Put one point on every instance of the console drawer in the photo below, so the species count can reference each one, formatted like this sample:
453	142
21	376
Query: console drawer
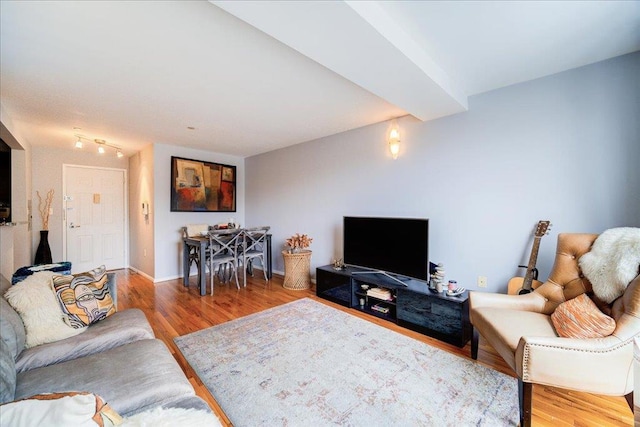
434	315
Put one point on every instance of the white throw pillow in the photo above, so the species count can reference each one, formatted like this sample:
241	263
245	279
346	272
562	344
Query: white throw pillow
612	262
34	300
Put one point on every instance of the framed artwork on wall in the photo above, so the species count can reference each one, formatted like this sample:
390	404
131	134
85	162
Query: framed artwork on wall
199	186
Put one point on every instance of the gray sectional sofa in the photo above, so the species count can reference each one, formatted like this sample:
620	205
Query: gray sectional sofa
117	358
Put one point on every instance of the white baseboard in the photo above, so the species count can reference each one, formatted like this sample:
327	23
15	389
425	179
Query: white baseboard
142	273
165	279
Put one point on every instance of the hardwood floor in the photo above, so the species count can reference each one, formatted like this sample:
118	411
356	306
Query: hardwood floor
174	310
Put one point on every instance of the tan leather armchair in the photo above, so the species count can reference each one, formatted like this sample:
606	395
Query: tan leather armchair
520	329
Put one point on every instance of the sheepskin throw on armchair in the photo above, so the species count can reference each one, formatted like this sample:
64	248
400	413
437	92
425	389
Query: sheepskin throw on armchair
613	262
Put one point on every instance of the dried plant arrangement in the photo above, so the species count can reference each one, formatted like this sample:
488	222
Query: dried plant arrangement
44	207
298	241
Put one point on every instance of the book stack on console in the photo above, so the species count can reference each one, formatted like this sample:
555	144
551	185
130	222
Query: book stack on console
380	293
381	308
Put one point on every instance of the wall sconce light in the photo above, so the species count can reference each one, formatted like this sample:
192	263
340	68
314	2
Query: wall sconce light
101	143
394	140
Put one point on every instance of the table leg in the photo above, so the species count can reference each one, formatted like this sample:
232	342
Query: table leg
185	263
269	268
202	268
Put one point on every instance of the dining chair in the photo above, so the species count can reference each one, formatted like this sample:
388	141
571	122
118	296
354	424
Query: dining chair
192	230
253	243
223	252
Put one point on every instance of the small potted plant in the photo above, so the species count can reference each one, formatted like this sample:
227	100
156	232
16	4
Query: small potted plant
298	242
297	262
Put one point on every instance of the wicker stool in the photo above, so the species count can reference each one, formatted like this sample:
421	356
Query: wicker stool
296	270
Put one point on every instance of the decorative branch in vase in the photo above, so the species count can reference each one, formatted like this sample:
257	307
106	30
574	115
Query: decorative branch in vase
298	242
44	207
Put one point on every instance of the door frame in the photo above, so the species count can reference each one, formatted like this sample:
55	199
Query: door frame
125	208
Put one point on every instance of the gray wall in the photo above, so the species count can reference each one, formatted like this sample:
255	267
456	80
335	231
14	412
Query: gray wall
141	189
167	242
563	148
47	163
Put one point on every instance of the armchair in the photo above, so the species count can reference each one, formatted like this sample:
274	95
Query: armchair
520	329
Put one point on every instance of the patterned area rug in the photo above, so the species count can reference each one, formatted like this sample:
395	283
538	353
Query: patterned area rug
307	364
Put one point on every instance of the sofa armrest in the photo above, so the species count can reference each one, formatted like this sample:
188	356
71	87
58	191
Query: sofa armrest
597	365
528	302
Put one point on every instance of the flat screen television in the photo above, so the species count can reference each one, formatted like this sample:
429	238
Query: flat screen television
393	245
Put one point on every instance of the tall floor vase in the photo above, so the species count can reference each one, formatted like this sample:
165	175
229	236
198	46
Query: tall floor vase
43	253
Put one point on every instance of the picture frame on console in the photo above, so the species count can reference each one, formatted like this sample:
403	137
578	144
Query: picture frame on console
201	186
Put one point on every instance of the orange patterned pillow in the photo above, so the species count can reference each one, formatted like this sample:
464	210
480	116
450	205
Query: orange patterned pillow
581	318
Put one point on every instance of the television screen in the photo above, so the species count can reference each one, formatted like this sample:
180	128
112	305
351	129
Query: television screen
393	245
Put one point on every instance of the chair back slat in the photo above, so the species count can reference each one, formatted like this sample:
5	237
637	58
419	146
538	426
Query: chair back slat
253	244
224	243
223	251
255	238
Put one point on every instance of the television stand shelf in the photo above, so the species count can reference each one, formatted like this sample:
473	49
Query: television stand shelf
413	306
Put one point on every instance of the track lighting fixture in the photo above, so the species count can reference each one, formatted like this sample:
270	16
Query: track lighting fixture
101	143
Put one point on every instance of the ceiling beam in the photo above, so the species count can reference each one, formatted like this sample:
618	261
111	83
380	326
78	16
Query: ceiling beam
360	42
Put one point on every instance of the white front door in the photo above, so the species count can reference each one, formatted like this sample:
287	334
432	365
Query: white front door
94	217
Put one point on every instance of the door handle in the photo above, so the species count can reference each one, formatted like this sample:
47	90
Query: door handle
71	225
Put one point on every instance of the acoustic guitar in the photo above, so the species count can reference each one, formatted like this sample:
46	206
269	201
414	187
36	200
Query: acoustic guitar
524	285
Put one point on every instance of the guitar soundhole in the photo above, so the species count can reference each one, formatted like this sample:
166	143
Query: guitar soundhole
524	291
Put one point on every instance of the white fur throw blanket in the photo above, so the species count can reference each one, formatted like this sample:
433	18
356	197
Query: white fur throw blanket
613	262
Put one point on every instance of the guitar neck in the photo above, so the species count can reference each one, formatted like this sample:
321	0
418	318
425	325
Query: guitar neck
528	277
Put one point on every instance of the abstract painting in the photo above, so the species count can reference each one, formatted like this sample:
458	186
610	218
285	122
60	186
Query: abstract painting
199	186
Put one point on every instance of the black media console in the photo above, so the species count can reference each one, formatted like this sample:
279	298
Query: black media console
414	306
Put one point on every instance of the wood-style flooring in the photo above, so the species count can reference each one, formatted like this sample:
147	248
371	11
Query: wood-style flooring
174	310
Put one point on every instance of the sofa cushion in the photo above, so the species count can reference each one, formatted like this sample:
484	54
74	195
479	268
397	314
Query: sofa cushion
581	318
122	328
189	402
132	377
60	409
171	417
11	328
503	328
36	303
84	297
7	373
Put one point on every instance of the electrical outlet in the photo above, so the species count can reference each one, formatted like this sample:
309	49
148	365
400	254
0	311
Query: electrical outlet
482	281
144	252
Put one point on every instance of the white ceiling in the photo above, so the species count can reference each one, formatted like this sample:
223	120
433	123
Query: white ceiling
256	76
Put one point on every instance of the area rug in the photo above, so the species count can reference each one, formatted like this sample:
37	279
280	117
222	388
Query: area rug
307	364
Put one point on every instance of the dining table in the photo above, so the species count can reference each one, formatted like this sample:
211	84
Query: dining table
201	245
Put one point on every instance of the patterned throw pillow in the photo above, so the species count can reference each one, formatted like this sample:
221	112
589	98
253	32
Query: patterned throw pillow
84	297
581	318
60	409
